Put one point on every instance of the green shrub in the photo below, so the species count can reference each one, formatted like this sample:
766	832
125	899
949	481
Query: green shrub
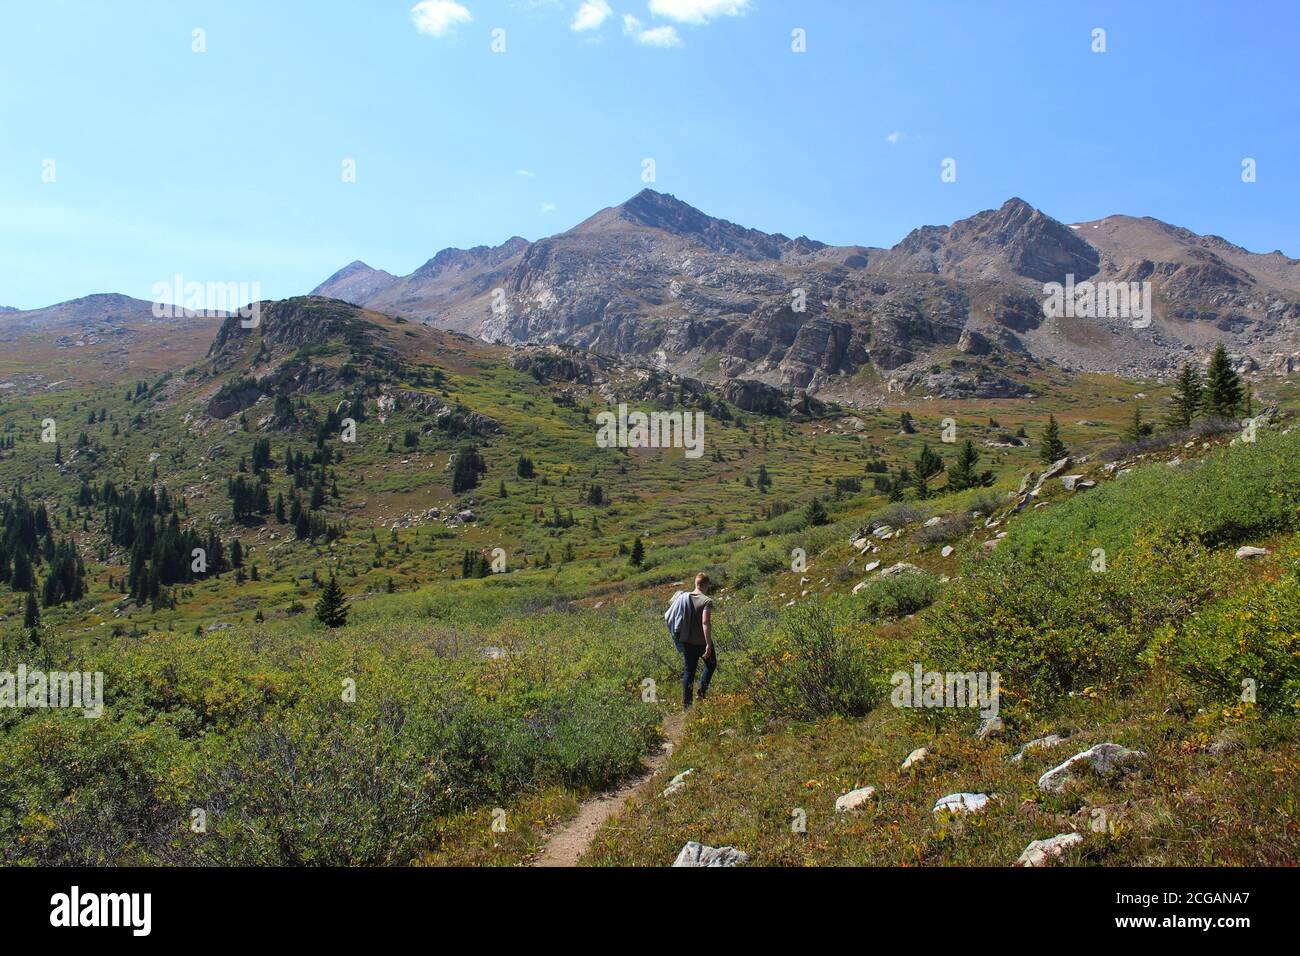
85	792
895	596
818	662
1052	626
1254	635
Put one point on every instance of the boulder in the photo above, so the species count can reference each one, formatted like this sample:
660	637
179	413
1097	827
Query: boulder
697	854
902	567
1104	759
854	799
871	566
1041	743
989	727
1040	852
947	550
678	782
1248	553
1055	469
962	803
915	758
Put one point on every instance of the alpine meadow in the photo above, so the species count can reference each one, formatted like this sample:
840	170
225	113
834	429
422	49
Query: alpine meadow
658	539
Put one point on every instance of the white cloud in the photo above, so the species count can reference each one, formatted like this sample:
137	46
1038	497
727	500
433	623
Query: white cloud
437	18
894	138
547	207
526	173
698	12
656	36
591	15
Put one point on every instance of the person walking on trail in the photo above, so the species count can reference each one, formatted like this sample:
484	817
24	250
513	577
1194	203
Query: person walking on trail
696	644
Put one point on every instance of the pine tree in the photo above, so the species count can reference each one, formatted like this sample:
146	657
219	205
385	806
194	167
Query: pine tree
1223	389
928	464
1053	448
638	554
963	475
815	513
332	609
1186	401
31	613
1136	429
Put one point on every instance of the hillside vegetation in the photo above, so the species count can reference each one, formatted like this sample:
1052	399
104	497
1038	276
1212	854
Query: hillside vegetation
426	639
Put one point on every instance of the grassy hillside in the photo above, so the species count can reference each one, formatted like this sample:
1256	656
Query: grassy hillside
457	697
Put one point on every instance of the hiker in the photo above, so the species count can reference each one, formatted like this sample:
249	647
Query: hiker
696	642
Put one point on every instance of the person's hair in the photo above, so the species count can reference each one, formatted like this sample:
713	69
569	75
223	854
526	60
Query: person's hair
702	580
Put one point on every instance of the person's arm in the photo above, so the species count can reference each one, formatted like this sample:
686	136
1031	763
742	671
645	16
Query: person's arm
706	622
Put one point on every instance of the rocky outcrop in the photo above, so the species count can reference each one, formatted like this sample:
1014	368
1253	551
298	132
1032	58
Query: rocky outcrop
657	278
697	854
1103	760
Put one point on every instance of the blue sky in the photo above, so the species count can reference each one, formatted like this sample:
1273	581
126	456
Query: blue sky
227	165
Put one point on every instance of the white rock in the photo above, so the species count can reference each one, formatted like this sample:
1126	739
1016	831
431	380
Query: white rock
902	567
914	758
859	586
932	522
1041	743
1247	552
1103	758
884	531
678	782
871	566
1070	481
947	550
853	799
697	854
1040	852
962	803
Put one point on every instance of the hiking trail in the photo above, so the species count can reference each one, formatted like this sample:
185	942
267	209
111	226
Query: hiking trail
566	846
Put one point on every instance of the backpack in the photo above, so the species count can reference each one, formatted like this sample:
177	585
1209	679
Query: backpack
678	616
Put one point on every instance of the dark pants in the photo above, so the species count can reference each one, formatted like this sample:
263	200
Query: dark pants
691	656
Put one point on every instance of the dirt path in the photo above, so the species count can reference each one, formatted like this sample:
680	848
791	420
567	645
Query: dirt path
566	847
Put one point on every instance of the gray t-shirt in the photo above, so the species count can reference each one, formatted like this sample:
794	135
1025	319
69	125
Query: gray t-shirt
698	603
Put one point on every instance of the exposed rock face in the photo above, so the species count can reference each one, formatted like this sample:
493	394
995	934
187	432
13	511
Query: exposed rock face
697	854
657	278
1041	852
1103	759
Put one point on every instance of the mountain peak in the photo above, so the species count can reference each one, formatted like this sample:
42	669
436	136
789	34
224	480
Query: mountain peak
663	211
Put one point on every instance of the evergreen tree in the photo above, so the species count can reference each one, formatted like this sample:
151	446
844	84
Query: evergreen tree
1186	401
928	464
1224	393
1053	448
815	513
1136	428
332	609
963	475
636	559
31	613
469	465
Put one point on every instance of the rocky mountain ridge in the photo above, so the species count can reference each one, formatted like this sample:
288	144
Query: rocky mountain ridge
656	278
